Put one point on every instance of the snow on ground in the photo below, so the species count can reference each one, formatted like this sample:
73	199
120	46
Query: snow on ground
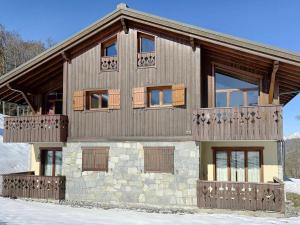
21	212
292	185
13	157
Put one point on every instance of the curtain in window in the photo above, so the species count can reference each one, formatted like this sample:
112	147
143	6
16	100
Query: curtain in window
237	163
58	163
221	166
253	167
48	163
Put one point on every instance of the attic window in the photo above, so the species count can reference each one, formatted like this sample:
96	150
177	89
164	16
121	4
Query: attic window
146	43
109	55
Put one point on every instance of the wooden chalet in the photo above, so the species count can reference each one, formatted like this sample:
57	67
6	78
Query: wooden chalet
139	109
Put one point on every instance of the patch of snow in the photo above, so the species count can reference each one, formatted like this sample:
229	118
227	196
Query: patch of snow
23	213
293	136
292	185
13	157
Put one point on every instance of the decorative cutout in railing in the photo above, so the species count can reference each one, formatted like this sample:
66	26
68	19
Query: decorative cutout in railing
30	186
42	128
244	123
109	63
241	196
146	59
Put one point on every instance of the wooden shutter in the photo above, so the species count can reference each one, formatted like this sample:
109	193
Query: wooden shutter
114	99
95	158
178	95
78	100
139	97
159	159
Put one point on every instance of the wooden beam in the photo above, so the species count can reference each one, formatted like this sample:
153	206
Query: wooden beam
24	96
124	25
66	56
272	83
192	42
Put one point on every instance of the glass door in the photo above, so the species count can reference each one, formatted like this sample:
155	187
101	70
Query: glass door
51	162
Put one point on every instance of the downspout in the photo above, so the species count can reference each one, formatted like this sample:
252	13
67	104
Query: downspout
24	96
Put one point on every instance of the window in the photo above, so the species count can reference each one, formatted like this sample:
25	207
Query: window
238	164
146	43
54	102
232	92
51	162
95	158
109	48
160	96
97	100
159	159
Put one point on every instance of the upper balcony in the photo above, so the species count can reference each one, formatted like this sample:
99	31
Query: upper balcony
243	123
39	128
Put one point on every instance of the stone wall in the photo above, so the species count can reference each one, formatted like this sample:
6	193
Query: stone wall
1	184
126	182
292	158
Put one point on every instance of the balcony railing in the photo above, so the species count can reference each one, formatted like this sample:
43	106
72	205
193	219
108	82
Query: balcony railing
241	196
109	63
36	187
41	128
244	123
146	59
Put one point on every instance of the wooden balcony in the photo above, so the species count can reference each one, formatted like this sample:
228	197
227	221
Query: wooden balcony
36	187
244	123
41	128
109	63
241	196
146	59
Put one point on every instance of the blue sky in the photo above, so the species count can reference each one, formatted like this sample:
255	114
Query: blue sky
272	22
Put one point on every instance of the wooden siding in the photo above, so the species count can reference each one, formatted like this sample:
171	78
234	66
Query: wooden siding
176	63
244	123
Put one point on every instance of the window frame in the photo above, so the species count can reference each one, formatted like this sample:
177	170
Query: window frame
89	93
161	96
104	150
229	91
148	164
107	43
42	160
229	150
146	36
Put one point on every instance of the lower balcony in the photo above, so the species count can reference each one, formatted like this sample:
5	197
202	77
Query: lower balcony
241	195
35	187
243	123
40	128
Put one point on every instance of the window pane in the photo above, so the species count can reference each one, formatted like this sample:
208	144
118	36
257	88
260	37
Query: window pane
221	99
221	166
236	99
95	100
154	97
253	167
252	98
227	82
237	164
167	97
104	100
111	50
48	163
58	163
147	45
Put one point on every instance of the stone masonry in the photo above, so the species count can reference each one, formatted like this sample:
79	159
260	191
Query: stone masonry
292	158
126	182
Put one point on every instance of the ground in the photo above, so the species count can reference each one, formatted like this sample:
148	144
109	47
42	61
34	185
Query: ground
35	213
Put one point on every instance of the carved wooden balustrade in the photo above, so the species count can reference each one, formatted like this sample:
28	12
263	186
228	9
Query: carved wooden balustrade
30	186
146	59
40	128
109	63
244	123
241	196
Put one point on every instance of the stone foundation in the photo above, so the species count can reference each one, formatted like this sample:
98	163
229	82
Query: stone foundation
126	182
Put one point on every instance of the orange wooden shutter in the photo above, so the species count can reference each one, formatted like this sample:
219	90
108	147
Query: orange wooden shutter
78	100
178	95
114	99
139	97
